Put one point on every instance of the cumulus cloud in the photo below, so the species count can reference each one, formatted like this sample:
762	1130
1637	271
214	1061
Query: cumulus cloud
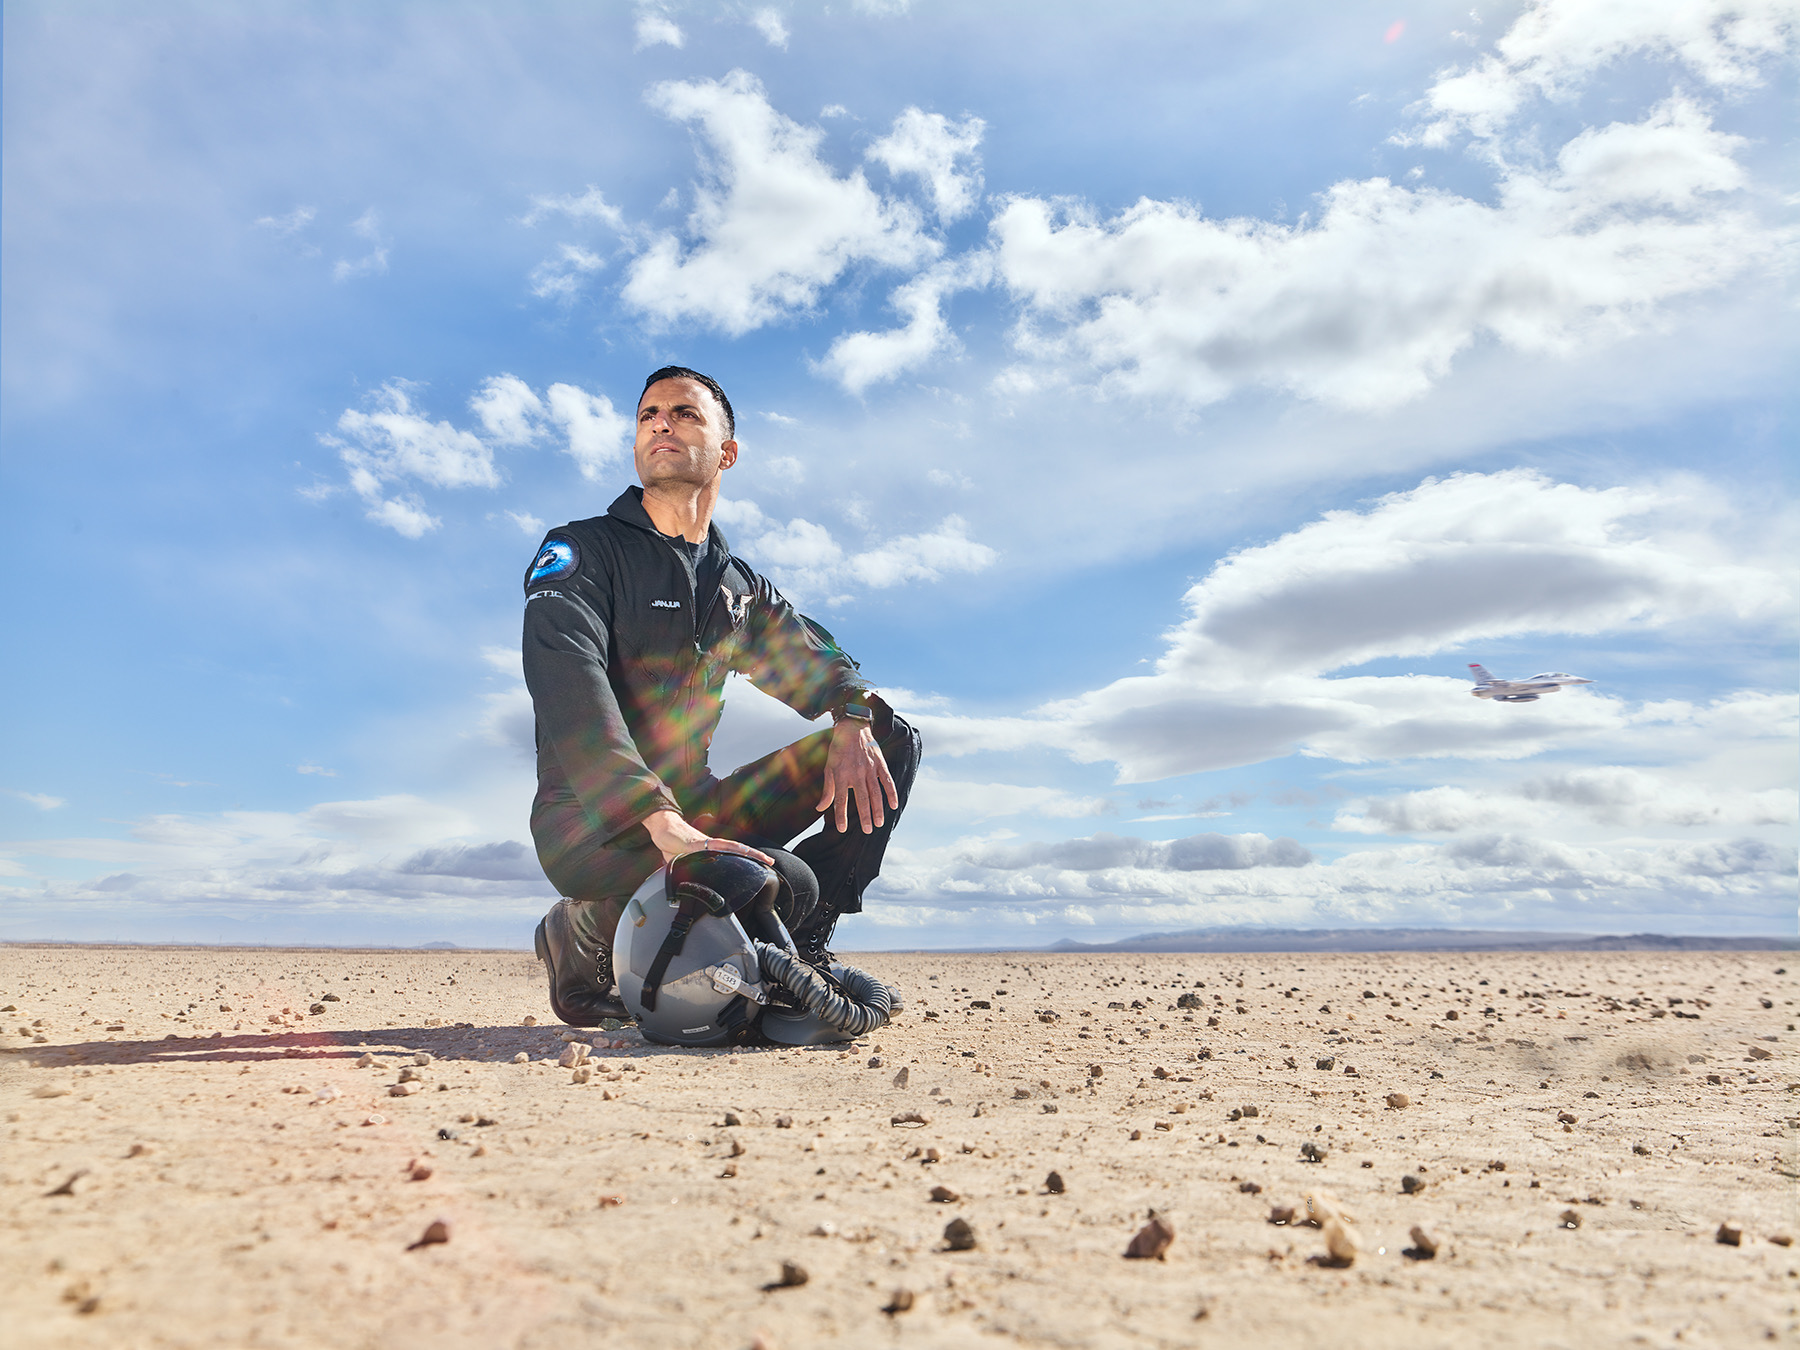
1553	49
383	852
1368	306
771	25
395	444
772	225
940	153
654	30
857	360
597	435
807	561
1474	557
1601	794
1492	880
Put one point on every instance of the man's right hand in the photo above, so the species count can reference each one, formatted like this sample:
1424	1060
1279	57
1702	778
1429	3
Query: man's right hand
674	836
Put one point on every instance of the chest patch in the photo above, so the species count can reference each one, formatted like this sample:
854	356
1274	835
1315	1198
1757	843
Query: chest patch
556	560
665	604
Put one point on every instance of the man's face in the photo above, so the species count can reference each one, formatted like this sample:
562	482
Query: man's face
681	435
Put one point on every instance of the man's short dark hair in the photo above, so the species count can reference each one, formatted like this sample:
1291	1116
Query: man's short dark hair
683	373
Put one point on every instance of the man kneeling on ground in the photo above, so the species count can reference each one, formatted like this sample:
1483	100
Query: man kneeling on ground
632	622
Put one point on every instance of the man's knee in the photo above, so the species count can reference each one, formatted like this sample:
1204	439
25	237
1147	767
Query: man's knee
799	886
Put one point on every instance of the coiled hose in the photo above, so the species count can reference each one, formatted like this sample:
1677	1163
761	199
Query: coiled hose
864	1005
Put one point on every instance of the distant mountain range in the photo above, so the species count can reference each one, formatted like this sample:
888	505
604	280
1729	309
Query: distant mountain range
1256	939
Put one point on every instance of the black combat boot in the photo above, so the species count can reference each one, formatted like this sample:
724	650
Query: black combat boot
579	963
813	938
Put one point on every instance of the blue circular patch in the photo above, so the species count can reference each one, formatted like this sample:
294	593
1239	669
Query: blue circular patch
555	560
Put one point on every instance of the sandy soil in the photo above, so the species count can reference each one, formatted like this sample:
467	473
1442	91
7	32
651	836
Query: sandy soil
194	1158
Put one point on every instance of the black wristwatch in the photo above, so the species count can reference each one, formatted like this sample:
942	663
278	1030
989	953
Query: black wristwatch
852	712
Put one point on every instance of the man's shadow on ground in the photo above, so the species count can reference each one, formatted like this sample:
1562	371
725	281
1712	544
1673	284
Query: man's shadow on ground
465	1042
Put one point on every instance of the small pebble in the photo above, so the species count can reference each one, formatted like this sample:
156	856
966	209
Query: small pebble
530	1021
732	1118
365	1061
316	1009
910	1118
1152	1240
943	1195
436	1231
1411	1185
1054	1183
1398	1101
1281	1215
422	1058
418	1170
900	1078
1341	1241
403	1089
728	1171
793	1275
1250	1188
958	1236
521	1058
1781	1239
901	1300
582	1074
1569	1219
1424	1244
1729	1236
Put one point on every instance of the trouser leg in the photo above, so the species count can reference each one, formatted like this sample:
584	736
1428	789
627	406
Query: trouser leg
775	798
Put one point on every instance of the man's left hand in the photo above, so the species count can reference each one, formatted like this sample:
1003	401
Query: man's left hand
856	765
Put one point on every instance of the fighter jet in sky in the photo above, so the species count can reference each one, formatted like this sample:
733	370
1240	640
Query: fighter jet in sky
1519	691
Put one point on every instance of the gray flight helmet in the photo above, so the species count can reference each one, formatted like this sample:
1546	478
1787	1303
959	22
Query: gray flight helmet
682	952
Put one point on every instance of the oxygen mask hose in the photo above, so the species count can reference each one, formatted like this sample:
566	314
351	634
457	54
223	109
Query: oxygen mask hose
860	1004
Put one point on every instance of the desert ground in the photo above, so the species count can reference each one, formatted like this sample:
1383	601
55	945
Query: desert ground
204	1147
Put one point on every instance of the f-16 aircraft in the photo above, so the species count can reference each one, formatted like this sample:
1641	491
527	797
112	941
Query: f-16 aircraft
1519	691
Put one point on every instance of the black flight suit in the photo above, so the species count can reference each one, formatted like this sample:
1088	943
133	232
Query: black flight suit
627	666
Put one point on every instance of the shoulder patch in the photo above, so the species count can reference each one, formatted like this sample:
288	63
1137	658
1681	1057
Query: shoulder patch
555	560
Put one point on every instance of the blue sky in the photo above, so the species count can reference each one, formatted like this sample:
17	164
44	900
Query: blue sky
1165	403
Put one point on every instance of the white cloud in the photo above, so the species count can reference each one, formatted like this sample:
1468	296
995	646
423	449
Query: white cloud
655	30
291	223
561	277
1494	880
529	525
1603	794
1469	558
590	205
969	802
42	800
597	434
315	769
940	153
1552	49
769	22
509	412
857	360
372	263
386	852
807	562
772	223
395	444
1368	306
882	8
923	557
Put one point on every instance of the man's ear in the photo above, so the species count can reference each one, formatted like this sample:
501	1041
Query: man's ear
728	454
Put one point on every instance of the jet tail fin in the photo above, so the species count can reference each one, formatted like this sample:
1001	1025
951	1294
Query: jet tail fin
1480	673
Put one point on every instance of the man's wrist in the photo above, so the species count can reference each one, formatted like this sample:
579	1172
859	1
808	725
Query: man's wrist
855	708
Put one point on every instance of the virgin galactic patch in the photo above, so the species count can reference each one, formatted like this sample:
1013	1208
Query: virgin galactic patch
555	560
